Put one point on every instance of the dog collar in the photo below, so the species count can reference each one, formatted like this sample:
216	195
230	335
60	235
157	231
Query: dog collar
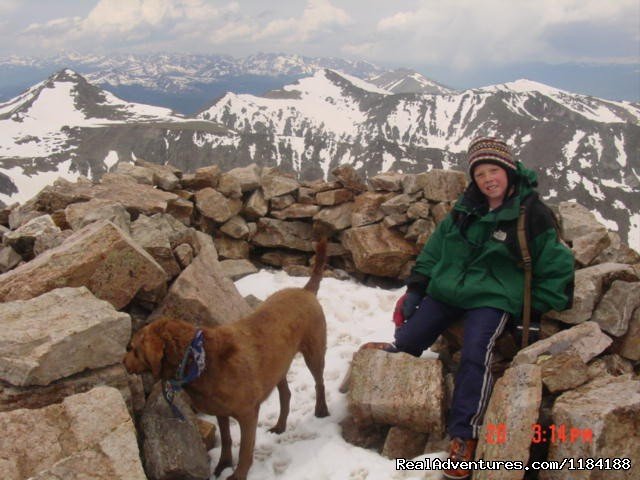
190	369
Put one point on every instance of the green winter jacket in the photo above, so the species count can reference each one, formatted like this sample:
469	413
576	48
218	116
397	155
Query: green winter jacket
473	260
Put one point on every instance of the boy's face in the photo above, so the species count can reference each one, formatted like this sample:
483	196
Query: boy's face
492	181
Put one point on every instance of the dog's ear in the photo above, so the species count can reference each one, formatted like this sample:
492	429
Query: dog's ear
153	349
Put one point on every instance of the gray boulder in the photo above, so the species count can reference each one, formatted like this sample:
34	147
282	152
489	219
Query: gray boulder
90	435
590	285
57	334
616	307
598	420
100	256
513	408
80	214
586	339
397	389
172	448
202	294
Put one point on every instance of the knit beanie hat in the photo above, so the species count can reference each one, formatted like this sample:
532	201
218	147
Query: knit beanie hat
490	150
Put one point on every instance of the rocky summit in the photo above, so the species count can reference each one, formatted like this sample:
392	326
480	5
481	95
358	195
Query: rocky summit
85	264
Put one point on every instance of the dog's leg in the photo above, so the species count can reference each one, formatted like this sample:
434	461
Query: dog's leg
285	399
226	459
248	424
314	358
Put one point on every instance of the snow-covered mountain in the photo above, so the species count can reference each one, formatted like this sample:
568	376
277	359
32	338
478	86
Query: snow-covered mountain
65	126
407	81
583	148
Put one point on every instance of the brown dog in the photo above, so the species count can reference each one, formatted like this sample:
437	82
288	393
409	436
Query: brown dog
245	360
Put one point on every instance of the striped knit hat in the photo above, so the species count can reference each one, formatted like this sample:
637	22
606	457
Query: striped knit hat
490	150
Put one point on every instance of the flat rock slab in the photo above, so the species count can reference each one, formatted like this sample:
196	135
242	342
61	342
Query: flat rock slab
444	185
586	339
129	385
89	435
100	256
57	334
278	233
378	250
135	197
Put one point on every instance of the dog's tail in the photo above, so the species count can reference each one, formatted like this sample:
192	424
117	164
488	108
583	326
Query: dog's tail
321	259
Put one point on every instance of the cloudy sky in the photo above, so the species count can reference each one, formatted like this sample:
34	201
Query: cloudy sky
462	43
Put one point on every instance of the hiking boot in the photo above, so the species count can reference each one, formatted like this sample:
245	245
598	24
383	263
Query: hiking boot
387	347
460	451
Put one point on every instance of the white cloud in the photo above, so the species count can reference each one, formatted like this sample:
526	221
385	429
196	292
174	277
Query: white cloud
133	20
398	20
467	33
186	22
232	31
318	16
7	6
365	49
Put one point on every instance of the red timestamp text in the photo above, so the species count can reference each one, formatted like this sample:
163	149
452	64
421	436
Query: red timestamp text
496	433
560	433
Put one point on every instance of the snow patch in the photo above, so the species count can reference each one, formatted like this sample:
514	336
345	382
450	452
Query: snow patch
571	148
613	184
30	185
596	142
621	158
387	161
363	85
111	159
593	189
610	224
573	179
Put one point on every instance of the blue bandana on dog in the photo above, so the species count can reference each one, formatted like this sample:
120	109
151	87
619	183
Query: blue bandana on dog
193	363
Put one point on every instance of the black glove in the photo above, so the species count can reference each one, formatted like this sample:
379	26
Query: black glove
410	304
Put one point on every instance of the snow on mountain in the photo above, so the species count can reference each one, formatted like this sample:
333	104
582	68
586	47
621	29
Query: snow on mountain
36	123
59	126
583	148
407	81
326	103
592	108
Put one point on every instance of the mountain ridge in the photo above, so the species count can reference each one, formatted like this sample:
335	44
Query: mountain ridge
584	148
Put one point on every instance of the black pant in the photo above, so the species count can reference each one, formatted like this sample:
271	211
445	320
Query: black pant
474	381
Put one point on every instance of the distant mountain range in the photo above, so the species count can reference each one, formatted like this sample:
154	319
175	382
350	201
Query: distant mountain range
583	148
183	83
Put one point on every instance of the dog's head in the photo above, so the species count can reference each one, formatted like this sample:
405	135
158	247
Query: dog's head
145	352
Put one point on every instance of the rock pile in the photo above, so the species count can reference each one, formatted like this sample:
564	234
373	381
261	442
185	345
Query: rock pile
83	265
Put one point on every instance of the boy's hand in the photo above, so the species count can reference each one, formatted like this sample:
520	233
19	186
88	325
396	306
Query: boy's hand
410	304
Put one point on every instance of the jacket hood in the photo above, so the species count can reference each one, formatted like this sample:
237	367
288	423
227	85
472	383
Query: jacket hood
528	179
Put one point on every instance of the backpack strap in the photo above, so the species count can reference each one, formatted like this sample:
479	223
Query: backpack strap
526	260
